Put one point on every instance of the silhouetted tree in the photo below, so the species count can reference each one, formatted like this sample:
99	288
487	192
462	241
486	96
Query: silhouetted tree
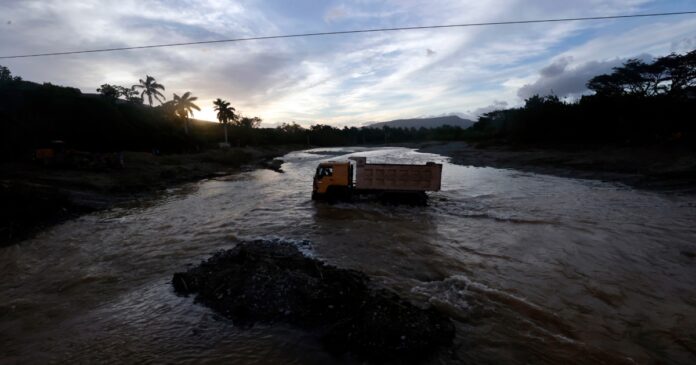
606	85
110	92
169	109
6	75
151	88
672	74
113	92
184	106
225	114
129	94
680	72
640	78
291	127
246	122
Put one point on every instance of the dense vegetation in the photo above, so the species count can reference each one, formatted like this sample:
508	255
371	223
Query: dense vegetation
122	118
33	114
638	104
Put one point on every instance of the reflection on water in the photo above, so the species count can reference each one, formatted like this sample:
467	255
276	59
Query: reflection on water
533	268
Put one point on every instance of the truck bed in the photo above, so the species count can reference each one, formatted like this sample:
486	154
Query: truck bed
398	177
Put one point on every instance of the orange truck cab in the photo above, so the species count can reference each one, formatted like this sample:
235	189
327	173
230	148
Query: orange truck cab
332	178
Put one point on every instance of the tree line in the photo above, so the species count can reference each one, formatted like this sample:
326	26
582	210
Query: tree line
181	107
637	104
141	118
673	75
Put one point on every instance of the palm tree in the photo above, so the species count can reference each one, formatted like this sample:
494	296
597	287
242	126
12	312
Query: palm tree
183	106
150	88
225	113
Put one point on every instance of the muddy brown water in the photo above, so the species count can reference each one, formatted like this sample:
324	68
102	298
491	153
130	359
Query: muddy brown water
533	268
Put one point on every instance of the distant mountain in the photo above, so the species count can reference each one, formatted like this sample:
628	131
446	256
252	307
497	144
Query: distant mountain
433	122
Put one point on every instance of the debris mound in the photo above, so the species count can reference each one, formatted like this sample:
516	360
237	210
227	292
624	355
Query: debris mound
270	281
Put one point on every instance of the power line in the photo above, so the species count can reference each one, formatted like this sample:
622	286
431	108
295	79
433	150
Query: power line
557	20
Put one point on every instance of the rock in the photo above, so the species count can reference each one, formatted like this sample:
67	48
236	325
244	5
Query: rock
275	165
268	282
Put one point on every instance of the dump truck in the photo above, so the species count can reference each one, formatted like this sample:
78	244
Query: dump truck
346	180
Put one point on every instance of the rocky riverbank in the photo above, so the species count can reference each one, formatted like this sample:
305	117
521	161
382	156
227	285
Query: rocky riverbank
644	168
35	196
272	281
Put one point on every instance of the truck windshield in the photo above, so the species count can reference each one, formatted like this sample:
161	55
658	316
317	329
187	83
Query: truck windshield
324	171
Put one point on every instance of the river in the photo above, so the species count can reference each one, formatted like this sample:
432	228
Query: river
532	268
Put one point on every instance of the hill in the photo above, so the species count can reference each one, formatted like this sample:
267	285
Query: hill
451	120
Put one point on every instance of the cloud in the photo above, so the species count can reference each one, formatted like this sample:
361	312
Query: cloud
563	81
556	68
335	13
341	80
683	45
497	105
656	37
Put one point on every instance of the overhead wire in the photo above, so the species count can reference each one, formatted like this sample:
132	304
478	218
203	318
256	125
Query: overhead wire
355	31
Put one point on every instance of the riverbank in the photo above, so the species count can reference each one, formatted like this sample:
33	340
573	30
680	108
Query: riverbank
35	197
643	168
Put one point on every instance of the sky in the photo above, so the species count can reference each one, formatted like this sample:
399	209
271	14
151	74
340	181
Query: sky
342	80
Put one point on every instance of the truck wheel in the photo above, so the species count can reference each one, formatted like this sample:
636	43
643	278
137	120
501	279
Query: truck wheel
330	195
338	193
